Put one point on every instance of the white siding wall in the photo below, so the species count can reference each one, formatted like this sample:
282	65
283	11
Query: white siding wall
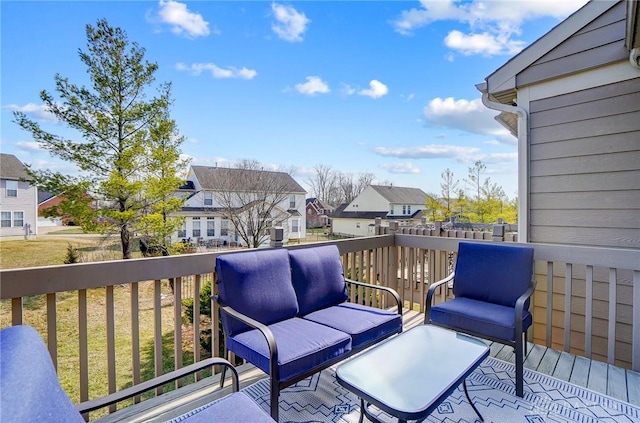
368	200
26	202
355	227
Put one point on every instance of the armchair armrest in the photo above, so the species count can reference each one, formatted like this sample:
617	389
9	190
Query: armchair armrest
520	307
430	293
264	330
381	288
87	406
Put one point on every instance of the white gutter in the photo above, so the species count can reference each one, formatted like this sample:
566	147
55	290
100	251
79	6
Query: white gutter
523	158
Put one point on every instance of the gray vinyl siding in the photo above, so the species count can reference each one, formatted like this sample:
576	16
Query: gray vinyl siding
598	43
585	167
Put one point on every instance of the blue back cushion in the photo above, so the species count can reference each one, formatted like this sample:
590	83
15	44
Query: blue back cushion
493	273
257	284
29	387
317	277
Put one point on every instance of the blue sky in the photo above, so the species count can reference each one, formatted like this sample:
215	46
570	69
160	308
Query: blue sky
385	87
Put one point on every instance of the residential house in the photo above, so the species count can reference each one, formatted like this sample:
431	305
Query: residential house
573	100
18	199
402	204
318	213
215	192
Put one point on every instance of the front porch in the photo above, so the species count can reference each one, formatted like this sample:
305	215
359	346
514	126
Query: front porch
590	337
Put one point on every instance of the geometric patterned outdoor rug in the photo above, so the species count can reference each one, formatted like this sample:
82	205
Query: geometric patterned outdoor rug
320	398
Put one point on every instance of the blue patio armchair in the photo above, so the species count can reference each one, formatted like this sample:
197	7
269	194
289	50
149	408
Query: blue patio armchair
30	390
492	286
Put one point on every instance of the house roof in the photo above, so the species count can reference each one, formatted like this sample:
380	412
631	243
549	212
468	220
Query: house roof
12	168
44	196
223	179
401	195
501	84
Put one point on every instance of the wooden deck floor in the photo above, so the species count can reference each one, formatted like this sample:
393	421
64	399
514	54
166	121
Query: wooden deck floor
597	376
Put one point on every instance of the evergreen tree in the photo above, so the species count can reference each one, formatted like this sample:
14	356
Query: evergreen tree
117	129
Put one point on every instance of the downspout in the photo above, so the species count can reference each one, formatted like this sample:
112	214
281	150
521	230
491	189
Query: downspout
523	158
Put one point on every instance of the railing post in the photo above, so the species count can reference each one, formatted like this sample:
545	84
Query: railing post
276	236
499	230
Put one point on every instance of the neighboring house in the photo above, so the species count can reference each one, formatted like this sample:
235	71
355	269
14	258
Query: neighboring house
18	199
573	100
209	189
401	204
47	200
317	213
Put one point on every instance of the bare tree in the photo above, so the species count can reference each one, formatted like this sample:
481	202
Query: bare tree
322	183
253	200
448	187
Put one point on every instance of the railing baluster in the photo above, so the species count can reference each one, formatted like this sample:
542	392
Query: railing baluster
635	337
111	347
135	337
549	310
611	338
196	320
588	315
177	326
82	344
16	311
567	306
52	329
157	329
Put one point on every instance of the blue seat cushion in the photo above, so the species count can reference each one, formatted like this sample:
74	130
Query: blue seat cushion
317	277
491	320
302	346
364	324
258	285
234	408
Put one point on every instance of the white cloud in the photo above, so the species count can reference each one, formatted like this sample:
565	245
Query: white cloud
314	85
216	71
431	151
491	27
182	21
376	89
290	24
467	115
401	167
38	111
29	145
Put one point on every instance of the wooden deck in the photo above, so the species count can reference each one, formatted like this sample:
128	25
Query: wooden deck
600	377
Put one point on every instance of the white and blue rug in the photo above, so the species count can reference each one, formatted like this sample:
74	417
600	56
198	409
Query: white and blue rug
320	398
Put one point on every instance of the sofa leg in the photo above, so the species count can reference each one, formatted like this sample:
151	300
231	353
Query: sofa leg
519	367
274	394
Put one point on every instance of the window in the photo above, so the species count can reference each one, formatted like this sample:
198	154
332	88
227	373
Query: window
404	209
224	227
295	225
208	198
18	219
391	209
292	202
6	219
182	232
195	228
211	229
12	188
409	209
309	211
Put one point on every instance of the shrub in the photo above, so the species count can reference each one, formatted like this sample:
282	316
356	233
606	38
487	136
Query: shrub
73	256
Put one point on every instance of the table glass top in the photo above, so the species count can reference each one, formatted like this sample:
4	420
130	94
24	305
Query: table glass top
412	370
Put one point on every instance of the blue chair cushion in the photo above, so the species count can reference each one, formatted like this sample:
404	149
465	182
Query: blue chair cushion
235	408
317	277
297	353
29	387
491	320
365	325
258	285
493	273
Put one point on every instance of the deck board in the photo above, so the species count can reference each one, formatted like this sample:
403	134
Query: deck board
564	367
633	387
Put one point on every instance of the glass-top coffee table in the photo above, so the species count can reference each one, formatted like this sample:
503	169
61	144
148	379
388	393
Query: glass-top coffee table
409	375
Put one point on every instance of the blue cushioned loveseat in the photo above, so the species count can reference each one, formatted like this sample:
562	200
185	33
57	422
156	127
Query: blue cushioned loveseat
286	312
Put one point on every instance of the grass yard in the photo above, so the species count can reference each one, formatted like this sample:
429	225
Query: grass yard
51	250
